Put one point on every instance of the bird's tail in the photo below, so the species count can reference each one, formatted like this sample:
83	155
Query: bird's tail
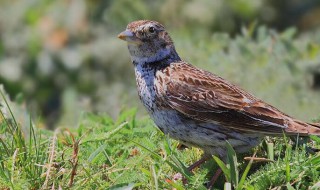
305	129
314	129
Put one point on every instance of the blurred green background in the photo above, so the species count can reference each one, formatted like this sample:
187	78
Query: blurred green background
61	58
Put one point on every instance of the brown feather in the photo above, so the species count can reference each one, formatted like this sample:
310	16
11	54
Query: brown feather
206	97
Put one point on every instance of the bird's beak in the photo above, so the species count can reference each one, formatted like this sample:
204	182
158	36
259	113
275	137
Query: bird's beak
125	35
129	36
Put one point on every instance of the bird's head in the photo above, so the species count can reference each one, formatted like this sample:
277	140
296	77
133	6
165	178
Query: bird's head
148	41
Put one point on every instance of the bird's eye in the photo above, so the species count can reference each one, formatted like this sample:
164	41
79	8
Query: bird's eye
152	29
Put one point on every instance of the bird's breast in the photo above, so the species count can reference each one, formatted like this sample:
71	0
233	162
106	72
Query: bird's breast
146	89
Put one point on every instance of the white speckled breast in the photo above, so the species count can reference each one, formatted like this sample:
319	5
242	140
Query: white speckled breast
145	83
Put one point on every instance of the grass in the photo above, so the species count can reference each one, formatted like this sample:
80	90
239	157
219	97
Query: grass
132	154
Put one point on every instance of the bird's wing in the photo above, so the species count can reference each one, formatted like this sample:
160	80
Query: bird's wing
206	97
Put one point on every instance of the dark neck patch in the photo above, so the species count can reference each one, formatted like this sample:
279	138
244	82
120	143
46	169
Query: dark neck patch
159	64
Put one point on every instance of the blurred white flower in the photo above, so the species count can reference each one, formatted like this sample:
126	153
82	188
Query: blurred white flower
45	63
71	58
11	69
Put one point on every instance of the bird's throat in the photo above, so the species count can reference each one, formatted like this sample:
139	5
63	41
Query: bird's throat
163	57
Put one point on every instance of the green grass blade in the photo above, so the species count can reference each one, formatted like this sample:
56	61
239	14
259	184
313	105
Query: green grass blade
166	146
315	161
6	121
287	157
270	150
177	166
96	152
7	104
5	147
315	138
232	158
223	167
245	173
89	175
287	165
154	177
147	149
180	165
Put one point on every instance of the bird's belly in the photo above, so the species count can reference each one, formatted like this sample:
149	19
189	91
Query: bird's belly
210	137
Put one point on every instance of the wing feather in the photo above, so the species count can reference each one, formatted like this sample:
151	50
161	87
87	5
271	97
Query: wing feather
206	97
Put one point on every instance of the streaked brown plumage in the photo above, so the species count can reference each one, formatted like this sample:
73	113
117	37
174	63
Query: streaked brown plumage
195	106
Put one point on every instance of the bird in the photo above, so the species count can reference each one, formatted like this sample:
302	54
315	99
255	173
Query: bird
197	107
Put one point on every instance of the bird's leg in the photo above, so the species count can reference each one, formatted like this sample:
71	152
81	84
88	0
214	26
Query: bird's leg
215	176
198	163
214	179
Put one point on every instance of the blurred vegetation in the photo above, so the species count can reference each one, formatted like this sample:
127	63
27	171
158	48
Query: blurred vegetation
62	57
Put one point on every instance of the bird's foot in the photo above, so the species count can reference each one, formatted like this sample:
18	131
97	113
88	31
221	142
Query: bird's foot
214	179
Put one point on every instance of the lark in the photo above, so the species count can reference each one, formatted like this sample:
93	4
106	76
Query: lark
195	106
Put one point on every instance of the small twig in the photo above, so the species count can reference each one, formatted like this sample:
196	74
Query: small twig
74	161
74	158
